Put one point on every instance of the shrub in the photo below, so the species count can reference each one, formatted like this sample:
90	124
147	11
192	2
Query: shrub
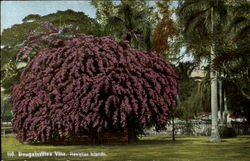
227	132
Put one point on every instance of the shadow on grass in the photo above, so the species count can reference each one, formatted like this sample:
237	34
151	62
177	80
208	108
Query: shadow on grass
140	142
160	141
243	137
147	141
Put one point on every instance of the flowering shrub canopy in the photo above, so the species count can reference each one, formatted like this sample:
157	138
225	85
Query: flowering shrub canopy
87	83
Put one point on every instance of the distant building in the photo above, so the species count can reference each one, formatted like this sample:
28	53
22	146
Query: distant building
198	73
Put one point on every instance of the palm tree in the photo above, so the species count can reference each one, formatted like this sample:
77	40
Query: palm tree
202	22
129	20
239	19
237	59
234	46
240	29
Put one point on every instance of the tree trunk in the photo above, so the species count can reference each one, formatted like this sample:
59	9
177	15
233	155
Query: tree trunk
221	101
173	130
148	36
131	132
225	111
215	136
5	104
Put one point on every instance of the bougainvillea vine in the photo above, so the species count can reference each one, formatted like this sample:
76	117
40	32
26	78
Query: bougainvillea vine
87	83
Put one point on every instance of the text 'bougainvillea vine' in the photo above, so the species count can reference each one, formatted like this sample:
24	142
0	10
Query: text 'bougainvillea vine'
87	82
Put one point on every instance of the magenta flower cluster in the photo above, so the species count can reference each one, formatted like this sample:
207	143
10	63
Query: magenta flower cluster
91	83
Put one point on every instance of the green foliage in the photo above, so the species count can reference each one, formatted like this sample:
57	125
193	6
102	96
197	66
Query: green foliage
195	17
239	19
237	103
9	76
31	17
189	96
127	19
17	33
189	100
6	105
7	54
234	49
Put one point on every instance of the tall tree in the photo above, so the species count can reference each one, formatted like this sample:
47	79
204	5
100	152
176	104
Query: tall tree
202	21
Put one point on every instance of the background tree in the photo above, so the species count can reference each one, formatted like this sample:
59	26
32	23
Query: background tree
17	33
165	28
234	49
127	19
190	101
233	59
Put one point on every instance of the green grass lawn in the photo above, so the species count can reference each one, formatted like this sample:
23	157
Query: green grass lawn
148	148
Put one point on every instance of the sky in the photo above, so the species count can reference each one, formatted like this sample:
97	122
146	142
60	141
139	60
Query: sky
12	12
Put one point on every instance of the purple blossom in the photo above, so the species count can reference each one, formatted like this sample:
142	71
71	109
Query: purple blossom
89	82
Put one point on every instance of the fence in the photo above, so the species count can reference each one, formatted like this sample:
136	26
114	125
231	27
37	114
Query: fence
197	128
241	128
